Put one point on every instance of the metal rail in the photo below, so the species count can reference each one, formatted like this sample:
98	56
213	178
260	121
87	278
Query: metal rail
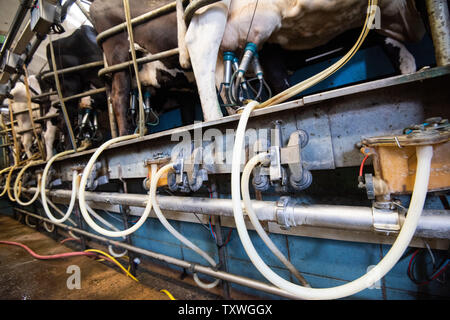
83	94
125	65
432	224
73	69
135	21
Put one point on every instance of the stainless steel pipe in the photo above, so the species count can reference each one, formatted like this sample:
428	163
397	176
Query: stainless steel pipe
439	18
194	267
432	224
80	67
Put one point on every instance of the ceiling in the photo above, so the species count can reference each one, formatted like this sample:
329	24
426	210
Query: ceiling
75	18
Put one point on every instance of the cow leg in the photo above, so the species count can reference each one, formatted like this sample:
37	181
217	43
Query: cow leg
399	56
49	138
120	101
203	39
27	142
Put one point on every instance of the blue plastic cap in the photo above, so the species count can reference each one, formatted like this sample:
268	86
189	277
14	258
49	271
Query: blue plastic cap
251	46
236	60
147	94
228	56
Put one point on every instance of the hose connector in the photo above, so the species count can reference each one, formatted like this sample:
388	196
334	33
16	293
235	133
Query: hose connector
257	68
147	96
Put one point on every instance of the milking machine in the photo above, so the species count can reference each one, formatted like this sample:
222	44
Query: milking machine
237	88
88	129
151	116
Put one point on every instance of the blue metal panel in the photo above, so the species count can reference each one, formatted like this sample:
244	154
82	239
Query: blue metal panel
367	64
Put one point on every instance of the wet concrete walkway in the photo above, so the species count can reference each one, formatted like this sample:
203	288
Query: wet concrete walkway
23	277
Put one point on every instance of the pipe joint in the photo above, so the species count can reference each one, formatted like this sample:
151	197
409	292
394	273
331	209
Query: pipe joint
385	219
285	213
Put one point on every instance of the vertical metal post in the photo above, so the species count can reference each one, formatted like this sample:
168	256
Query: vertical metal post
220	245
16	152
111	117
124	210
80	225
84	11
61	98
438	15
141	126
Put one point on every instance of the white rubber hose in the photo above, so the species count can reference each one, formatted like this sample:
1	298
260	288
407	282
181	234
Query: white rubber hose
109	225
82	197
46	227
255	221
424	155
27	222
44	184
153	186
75	179
16	185
50	229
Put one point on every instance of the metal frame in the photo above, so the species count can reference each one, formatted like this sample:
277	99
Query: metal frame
282	111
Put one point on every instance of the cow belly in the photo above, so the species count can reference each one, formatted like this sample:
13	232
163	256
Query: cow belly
150	73
319	21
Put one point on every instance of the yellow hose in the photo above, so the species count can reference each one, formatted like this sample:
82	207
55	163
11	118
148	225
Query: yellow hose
4	188
115	261
302	86
8	182
18	182
168	294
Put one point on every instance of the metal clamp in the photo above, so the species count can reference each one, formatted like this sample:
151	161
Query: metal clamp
284	213
385	220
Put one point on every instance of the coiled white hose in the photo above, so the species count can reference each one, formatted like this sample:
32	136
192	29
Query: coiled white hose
153	186
27	222
82	197
44	184
109	225
16	185
424	155
73	196
255	221
5	186
62	215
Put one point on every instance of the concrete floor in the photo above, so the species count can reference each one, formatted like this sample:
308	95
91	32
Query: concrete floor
23	277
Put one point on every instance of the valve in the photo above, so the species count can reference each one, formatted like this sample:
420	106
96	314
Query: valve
286	167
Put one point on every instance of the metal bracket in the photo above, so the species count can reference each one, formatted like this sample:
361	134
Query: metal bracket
299	177
96	178
11	62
